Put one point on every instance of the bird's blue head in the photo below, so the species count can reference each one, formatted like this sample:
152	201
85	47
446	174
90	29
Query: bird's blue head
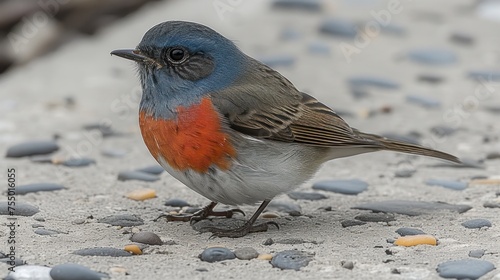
180	62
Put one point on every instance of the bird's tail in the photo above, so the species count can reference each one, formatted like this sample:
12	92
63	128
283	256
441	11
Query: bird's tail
405	147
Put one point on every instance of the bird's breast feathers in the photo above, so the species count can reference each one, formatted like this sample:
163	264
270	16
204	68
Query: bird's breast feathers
192	141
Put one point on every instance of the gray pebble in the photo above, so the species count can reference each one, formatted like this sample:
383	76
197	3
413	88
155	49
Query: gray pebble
283	206
175	202
291	259
433	56
78	162
490	204
216	254
74	271
306	196
246	253
152	169
20	209
43	231
113	153
137	175
424	101
493	155
350	187
123	220
485	75
409	231
351	223
430	78
338	27
282	60
304	5
411	208
464	269
462	38
38	187
404	173
347	264
30	272
319	48
146	237
32	148
291	241
477	253
104	129
375	217
443	130
476	223
453	185
370	81
102	251
268	242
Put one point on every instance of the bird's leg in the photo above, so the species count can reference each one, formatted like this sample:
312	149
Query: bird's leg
203	213
245	229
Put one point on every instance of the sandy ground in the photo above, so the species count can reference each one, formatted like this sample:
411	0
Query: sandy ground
105	89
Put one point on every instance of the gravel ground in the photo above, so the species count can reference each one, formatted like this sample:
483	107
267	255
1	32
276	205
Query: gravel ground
81	84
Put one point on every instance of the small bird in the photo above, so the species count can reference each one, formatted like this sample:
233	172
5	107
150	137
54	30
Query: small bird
233	129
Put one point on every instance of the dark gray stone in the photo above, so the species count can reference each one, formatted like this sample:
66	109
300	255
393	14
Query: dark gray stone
68	271
78	162
152	169
216	254
476	223
350	187
433	56
137	175
424	101
38	187
306	196
485	75
411	208
102	252
375	217
351	223
146	237
339	28
369	81
453	185
464	269
123	220
246	253
175	202
302	5
477	253
491	204
32	148
409	231
19	209
291	259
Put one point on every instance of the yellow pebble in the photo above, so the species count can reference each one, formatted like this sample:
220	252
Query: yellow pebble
485	182
413	240
133	249
142	194
265	257
269	215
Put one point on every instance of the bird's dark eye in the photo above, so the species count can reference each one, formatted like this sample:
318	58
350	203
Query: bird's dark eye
177	55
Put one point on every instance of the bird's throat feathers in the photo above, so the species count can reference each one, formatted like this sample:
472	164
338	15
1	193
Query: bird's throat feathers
194	140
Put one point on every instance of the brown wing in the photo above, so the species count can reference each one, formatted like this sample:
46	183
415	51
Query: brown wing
266	105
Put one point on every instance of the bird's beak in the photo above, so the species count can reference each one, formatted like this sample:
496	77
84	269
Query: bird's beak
134	55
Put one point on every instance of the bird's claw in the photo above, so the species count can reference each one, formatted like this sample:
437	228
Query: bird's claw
241	231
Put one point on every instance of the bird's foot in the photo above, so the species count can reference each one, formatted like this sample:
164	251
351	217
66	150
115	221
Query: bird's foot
245	229
202	214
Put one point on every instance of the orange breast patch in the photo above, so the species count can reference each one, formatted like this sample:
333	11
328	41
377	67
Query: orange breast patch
193	141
